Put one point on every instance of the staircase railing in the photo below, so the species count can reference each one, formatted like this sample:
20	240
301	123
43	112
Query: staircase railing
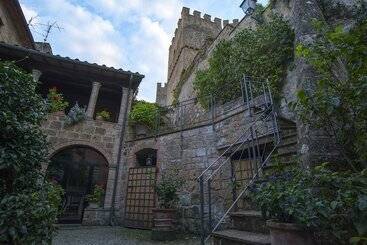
258	99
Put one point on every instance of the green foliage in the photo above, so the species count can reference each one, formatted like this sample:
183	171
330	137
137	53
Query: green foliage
105	115
167	187
337	102
263	54
28	208
330	202
76	115
56	101
96	196
145	113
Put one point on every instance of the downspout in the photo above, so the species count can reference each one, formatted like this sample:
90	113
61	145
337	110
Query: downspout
119	154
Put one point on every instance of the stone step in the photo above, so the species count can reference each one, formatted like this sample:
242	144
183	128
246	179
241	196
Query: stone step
290	148
249	220
285	142
237	237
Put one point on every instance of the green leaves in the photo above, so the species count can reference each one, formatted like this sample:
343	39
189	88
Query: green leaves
337	102
27	211
332	203
263	54
144	113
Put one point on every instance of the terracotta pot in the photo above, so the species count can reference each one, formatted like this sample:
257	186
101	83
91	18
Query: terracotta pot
59	113
141	130
93	205
288	234
164	227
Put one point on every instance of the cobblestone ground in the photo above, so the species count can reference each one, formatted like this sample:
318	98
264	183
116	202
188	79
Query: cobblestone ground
79	235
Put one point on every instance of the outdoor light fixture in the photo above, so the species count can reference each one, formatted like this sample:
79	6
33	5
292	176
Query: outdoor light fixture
248	6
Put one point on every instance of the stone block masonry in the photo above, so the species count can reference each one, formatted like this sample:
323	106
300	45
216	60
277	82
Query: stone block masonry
99	135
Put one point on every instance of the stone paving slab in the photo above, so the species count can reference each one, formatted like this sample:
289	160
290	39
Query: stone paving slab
79	235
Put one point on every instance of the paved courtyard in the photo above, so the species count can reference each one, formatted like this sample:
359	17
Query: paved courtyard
79	235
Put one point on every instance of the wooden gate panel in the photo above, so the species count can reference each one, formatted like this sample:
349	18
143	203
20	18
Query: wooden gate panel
140	197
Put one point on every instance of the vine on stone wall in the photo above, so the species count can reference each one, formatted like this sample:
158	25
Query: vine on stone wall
338	103
264	53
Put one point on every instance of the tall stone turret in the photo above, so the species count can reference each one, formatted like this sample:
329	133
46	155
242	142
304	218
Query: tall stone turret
192	32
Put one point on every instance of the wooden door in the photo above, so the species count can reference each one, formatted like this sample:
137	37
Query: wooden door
140	197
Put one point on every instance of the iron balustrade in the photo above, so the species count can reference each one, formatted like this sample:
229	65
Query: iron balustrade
261	113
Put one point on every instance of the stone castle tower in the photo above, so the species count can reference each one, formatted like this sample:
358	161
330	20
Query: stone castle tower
192	33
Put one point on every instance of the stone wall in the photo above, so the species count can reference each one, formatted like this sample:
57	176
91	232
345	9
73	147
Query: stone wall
8	28
193	148
99	135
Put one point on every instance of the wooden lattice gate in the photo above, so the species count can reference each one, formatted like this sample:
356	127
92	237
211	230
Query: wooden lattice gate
140	197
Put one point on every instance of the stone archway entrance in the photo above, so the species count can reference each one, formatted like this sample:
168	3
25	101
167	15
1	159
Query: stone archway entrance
78	169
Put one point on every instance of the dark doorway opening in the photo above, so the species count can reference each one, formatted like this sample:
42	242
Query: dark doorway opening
78	170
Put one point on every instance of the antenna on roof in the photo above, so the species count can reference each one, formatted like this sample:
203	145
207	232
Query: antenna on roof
49	28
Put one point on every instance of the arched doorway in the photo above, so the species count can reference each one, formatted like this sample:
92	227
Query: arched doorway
78	169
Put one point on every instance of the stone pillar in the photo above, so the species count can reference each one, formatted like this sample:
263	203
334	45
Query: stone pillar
93	99
113	168
314	145
125	93
36	74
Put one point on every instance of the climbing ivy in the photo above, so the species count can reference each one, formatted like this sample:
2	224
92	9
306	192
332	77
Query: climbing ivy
263	53
28	205
338	103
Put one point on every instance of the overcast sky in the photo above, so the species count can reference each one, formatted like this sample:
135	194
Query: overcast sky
129	34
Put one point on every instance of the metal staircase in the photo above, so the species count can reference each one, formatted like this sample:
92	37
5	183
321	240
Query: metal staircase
258	143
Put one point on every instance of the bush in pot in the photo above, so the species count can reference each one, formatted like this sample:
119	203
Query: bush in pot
321	202
165	216
103	115
76	115
96	197
56	101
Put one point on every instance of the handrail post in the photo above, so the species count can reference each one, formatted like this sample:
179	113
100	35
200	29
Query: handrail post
203	233
210	205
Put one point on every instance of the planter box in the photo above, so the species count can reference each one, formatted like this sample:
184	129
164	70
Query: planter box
288	234
164	228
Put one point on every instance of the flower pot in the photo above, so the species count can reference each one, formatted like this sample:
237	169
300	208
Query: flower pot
99	118
59	113
164	227
141	130
93	205
288	234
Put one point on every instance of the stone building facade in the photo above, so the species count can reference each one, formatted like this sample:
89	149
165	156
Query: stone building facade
193	146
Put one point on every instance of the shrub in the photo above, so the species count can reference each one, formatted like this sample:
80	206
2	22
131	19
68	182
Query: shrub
144	113
263	54
167	187
76	115
28	208
105	115
56	101
330	202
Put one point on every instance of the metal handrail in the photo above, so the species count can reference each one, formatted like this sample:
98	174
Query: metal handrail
244	190
234	143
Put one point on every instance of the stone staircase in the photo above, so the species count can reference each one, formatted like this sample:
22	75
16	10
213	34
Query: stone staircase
248	226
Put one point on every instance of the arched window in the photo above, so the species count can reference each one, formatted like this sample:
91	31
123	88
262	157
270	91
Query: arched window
147	157
78	170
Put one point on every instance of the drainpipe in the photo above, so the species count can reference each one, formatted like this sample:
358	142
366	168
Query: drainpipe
119	155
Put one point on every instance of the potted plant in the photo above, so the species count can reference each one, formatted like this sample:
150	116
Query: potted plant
56	101
283	198
76	115
95	199
321	203
164	216
103	116
143	117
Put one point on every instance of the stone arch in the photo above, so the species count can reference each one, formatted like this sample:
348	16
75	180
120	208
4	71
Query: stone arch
59	147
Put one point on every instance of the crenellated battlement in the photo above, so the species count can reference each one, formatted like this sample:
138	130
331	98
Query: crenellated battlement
192	33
